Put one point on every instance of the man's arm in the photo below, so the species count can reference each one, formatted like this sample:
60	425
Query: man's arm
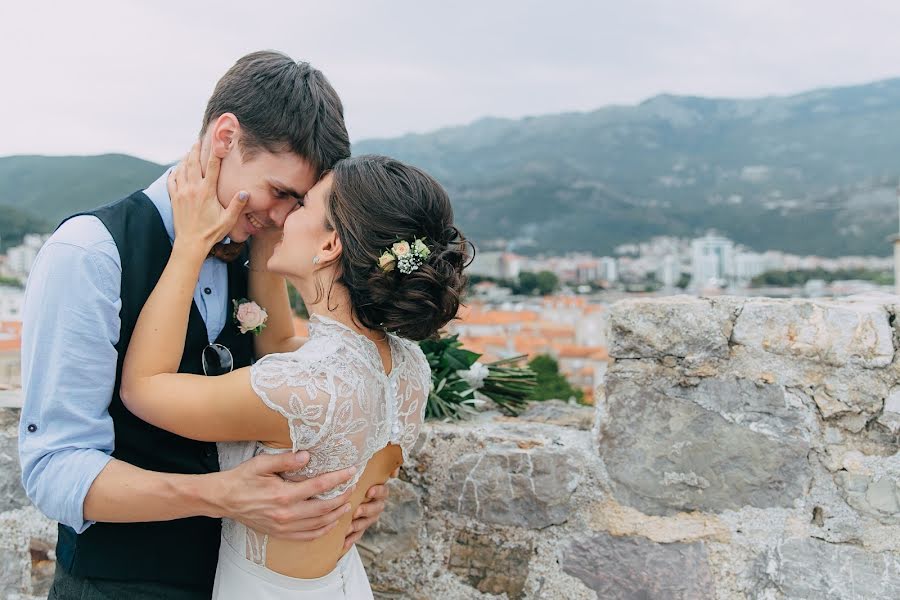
252	493
70	328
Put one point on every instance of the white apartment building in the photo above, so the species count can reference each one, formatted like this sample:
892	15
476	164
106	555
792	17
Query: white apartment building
19	259
712	261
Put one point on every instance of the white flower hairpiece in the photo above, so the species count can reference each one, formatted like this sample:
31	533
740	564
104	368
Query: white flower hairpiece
404	256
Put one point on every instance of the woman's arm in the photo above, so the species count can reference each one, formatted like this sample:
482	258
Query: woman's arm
199	407
269	290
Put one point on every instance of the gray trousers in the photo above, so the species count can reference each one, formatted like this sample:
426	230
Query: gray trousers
70	587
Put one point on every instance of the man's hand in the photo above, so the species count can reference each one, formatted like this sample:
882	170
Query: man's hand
254	494
368	512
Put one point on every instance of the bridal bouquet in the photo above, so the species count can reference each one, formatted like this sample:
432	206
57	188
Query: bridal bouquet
457	375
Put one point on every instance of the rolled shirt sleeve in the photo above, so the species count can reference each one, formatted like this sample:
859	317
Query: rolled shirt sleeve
70	328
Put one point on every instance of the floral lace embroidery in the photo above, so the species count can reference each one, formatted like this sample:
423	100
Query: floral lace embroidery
340	405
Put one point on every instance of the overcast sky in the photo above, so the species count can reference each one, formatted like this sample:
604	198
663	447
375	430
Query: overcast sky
97	76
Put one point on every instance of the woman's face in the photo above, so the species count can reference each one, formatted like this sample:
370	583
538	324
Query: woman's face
305	234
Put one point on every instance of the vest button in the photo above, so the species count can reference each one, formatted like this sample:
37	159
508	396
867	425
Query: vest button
32	428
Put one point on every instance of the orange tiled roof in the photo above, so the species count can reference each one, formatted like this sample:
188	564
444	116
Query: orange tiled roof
485	340
11	327
11	345
574	351
475	316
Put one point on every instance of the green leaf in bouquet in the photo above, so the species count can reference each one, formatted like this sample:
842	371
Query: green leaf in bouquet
459	359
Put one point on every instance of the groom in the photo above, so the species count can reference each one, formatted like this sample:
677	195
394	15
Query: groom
139	507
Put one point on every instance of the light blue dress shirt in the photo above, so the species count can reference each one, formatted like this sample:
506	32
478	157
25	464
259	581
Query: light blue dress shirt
70	328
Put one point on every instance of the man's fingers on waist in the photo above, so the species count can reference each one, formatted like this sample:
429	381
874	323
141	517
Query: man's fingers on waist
327	481
376	492
303	536
369	509
301	495
280	463
315	522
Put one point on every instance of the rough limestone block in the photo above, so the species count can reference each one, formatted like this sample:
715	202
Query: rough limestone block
758	406
811	569
875	496
836	334
890	416
511	486
13	571
628	568
12	495
559	412
397	530
489	566
666	453
679	326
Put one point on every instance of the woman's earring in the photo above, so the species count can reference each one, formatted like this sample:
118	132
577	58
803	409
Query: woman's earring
316	260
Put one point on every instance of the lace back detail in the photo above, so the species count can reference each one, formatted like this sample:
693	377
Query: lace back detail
340	407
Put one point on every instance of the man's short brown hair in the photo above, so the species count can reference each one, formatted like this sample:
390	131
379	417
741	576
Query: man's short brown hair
282	106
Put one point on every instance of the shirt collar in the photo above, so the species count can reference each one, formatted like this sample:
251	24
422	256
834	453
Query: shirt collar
158	192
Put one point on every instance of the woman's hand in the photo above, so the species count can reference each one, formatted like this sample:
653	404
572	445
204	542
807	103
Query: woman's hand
200	220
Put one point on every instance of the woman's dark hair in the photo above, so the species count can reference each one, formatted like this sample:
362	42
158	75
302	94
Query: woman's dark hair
374	202
282	106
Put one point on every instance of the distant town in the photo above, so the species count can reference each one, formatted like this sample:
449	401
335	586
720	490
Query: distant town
555	306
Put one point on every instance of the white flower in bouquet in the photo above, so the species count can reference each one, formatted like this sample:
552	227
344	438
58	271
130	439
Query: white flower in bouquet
475	375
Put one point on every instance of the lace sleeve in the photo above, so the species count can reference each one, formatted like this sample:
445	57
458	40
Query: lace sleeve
414	386
318	392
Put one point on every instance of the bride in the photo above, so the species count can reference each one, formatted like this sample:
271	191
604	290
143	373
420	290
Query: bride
375	255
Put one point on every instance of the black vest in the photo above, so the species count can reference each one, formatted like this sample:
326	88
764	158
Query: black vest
185	551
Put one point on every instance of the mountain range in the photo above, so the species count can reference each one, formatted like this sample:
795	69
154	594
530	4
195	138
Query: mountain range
810	173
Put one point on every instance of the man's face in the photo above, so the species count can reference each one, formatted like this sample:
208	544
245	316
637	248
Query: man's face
274	181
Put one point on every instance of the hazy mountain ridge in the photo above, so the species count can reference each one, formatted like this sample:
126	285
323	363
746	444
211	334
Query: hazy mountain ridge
811	173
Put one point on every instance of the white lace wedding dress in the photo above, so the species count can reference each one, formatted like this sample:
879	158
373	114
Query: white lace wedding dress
342	408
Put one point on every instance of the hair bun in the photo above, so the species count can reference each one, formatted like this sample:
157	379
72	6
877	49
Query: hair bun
374	202
417	305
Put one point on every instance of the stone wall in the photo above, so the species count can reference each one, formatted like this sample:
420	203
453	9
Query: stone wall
743	449
27	538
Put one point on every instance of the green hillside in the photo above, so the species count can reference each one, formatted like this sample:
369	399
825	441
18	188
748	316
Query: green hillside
53	187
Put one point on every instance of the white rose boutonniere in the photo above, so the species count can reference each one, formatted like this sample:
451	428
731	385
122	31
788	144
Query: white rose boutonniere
249	316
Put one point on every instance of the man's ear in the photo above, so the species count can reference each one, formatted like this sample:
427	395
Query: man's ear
224	134
331	248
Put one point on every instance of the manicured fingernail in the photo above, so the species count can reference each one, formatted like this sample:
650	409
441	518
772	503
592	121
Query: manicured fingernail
302	457
243	196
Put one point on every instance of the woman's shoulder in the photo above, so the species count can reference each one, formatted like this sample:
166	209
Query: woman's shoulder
414	361
315	355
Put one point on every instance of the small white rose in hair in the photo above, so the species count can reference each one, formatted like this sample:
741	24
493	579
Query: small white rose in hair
400	249
421	249
249	316
386	262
